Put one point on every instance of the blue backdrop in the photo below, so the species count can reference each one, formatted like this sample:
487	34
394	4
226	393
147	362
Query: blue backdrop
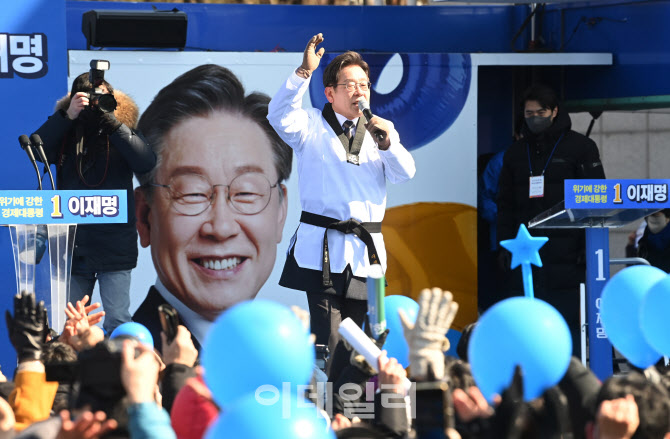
33	75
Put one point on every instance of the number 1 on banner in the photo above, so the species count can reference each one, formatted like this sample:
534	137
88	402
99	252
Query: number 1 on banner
55	200
617	193
601	269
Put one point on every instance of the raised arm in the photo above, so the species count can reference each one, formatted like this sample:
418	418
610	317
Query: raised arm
285	111
56	127
311	58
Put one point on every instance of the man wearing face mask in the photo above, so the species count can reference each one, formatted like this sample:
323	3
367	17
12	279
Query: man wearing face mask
654	245
531	181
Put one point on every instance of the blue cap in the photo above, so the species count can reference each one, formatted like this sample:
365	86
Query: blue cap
136	330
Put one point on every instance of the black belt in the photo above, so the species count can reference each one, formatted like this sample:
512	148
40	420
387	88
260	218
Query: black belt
350	226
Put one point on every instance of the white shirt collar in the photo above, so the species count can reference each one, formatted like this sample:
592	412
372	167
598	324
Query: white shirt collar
195	323
341	120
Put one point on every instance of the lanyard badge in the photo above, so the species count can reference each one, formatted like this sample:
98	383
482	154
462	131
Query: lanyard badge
536	187
536	184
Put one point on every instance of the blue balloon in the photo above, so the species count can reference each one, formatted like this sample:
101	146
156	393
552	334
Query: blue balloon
620	308
519	331
254	344
654	316
395	344
251	418
134	329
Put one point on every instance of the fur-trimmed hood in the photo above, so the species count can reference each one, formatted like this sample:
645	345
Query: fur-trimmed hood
126	111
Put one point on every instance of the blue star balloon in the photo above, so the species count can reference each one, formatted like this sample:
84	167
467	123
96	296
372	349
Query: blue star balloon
525	251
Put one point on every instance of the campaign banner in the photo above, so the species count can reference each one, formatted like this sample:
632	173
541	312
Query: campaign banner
64	207
617	194
33	76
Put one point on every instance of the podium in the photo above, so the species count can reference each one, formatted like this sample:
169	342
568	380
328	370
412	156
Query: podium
29	243
596	206
45	222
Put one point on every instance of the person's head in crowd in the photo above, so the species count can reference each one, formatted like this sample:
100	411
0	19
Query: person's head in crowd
112	376
346	79
458	373
652	400
540	108
58	352
580	386
59	360
658	221
213	209
549	416
98	385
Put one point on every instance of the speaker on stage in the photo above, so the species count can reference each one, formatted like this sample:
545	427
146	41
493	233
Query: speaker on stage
165	29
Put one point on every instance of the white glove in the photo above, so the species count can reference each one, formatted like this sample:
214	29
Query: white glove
427	338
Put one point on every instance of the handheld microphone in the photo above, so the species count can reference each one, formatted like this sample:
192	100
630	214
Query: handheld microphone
39	145
25	144
365	109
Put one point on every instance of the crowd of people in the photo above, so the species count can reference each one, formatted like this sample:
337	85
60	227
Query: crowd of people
81	384
211	160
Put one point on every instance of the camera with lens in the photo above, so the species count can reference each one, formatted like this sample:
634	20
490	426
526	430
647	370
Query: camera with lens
98	372
97	99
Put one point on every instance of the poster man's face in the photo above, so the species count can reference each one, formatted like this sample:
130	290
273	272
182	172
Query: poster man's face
217	258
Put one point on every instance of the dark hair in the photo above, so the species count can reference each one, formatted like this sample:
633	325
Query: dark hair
58	352
458	373
653	402
346	59
544	95
81	83
200	92
59	360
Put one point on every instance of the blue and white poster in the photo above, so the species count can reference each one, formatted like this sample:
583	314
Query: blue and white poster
33	74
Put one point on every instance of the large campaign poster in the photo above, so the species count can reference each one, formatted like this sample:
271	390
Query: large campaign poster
430	223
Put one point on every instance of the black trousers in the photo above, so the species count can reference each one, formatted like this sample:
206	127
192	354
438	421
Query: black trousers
326	312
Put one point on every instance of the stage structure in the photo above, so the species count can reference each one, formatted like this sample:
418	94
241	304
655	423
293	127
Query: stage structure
47	220
596	206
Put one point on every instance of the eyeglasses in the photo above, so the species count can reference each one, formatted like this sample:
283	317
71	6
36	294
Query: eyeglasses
351	85
192	194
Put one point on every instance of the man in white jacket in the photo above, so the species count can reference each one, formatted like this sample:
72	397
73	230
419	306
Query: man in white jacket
343	163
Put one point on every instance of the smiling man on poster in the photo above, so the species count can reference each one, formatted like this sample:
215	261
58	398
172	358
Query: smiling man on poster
213	209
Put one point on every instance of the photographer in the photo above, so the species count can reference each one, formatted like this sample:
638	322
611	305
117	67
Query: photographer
91	141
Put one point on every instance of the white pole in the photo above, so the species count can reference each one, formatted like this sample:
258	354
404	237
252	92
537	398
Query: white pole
582	318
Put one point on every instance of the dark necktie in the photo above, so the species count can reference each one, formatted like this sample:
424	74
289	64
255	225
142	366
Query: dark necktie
347	127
